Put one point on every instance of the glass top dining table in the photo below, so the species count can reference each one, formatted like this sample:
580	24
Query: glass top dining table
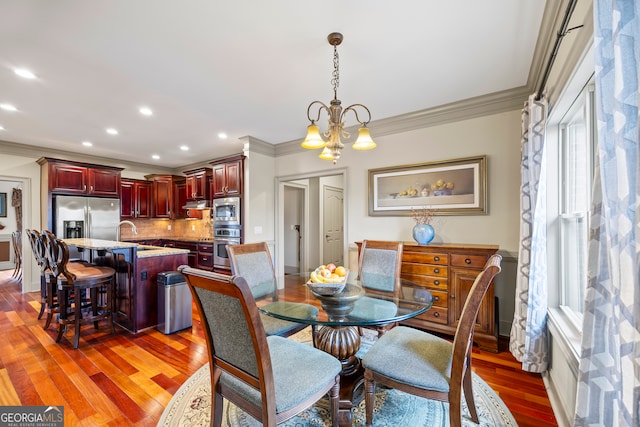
369	300
362	302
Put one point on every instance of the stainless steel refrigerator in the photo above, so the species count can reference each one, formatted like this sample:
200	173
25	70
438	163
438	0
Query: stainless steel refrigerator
90	217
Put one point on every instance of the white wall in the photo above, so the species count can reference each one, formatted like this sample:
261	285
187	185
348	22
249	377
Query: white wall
497	136
259	198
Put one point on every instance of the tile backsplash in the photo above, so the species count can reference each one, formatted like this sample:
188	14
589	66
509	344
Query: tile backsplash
169	229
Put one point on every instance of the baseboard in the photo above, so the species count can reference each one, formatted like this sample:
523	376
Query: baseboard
562	418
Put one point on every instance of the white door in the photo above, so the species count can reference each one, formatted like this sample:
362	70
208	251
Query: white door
333	225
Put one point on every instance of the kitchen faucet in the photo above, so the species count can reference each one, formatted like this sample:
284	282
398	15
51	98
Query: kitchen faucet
133	228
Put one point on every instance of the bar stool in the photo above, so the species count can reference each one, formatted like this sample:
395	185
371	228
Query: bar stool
48	294
96	281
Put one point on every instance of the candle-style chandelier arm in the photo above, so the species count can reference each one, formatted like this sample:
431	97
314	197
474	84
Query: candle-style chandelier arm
321	107
355	112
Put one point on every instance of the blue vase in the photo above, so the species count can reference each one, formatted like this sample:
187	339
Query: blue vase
423	233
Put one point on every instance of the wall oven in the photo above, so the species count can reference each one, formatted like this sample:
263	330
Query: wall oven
226	211
223	237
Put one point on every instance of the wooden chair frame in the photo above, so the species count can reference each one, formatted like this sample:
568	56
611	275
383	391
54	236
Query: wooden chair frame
383	245
247	248
460	377
237	287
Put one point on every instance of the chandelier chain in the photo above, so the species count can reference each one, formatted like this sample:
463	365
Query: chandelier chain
335	77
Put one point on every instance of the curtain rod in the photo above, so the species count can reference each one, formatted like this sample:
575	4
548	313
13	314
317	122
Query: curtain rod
559	36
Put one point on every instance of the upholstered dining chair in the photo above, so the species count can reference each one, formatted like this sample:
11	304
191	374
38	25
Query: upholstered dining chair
92	288
253	262
378	268
271	378
431	367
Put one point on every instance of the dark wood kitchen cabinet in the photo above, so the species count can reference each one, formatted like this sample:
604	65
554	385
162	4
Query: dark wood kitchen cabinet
205	256
163	205
197	184
135	198
228	174
137	298
180	199
84	179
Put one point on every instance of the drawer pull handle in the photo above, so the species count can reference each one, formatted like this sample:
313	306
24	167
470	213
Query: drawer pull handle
436	314
204	258
436	298
453	296
436	270
467	260
436	258
436	282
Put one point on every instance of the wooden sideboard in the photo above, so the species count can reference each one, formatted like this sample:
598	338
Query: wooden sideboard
448	271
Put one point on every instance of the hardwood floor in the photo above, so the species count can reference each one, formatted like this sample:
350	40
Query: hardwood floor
127	379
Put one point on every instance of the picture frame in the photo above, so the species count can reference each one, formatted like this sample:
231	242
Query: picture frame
447	187
3	204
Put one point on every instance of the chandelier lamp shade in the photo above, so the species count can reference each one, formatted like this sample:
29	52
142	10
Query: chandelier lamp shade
330	140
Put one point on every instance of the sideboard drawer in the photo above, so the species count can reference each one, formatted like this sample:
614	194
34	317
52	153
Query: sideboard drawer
474	261
436	315
428	281
425	258
425	269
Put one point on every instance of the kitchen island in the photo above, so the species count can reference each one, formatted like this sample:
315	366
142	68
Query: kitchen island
137	267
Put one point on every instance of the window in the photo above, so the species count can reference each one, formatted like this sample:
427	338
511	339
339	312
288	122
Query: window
577	155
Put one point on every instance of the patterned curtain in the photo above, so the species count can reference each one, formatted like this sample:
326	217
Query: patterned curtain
528	341
609	375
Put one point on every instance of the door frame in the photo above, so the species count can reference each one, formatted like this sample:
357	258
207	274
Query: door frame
280	183
27	255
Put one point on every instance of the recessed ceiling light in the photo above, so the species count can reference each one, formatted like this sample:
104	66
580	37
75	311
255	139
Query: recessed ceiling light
87	144
1	127
145	111
184	148
8	107
222	135
112	131
155	157
23	72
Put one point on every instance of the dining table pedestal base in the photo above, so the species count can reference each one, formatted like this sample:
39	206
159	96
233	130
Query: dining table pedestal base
343	342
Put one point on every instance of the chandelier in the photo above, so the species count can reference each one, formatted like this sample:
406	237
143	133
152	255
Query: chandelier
333	145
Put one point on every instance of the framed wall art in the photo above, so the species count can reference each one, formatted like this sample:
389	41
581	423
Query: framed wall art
448	187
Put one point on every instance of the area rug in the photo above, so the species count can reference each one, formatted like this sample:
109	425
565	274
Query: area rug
191	404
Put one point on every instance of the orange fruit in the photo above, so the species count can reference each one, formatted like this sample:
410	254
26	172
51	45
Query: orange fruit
341	271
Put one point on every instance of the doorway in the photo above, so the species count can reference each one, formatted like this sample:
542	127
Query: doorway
302	198
7	183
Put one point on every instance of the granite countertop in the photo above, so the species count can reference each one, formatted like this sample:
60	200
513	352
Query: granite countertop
143	251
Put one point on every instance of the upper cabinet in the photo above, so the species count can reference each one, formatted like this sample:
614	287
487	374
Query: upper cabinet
197	184
227	176
164	203
65	177
135	198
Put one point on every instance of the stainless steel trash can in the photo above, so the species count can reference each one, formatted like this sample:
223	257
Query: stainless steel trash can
174	302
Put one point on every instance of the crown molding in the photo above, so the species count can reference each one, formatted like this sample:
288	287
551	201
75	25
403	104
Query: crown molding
32	151
485	105
256	145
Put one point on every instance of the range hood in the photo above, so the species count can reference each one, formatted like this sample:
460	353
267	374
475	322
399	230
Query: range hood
197	204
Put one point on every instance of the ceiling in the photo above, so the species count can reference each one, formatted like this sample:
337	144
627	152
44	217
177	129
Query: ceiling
243	67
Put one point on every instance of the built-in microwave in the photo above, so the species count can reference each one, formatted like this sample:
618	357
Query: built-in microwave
226	211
